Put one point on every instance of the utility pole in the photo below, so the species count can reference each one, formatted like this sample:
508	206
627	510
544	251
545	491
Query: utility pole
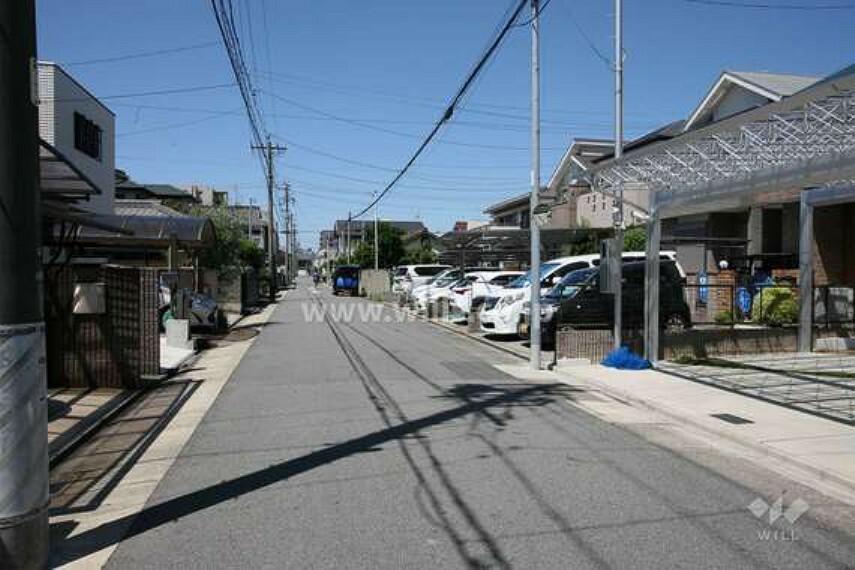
269	149
534	312
376	239
23	399
288	242
249	221
295	263
618	214
348	238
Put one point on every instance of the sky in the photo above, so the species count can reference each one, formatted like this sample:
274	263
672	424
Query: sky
352	87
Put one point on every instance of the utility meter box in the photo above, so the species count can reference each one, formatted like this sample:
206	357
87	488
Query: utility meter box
89	299
609	265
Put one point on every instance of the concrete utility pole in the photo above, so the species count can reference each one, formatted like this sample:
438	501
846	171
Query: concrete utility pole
269	149
618	214
534	313
376	239
288	242
348	238
23	399
249	221
295	265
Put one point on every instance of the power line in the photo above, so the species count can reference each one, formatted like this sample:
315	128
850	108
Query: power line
153	93
141	55
586	38
449	112
767	6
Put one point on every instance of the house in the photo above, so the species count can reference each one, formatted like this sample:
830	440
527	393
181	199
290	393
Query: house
75	125
760	181
128	189
209	196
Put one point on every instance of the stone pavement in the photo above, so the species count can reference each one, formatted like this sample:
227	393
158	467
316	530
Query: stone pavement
793	439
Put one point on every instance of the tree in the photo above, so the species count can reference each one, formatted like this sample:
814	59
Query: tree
585	241
635	238
390	244
420	255
231	251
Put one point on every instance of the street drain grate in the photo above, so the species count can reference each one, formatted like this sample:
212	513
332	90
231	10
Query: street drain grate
732	419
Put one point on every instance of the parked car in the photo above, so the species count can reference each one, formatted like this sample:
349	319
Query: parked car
500	314
479	285
435	289
407	277
577	300
345	279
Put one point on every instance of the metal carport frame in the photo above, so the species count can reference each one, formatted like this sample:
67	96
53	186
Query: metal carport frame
799	149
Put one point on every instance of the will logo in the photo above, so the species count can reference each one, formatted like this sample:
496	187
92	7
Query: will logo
792	512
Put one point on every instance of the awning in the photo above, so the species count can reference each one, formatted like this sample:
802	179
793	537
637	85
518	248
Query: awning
59	177
62	212
150	231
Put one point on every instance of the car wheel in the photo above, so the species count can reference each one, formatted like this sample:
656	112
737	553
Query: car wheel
675	323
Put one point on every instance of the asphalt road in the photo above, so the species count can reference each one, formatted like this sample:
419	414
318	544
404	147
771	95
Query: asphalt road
400	445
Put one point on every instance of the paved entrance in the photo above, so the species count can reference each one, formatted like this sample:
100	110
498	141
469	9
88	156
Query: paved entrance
821	384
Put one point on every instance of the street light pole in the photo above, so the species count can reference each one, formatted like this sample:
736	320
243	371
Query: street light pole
619	211
534	312
23	398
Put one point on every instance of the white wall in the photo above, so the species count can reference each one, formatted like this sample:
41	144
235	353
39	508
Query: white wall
60	97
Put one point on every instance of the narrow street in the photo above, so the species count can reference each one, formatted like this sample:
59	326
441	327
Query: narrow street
399	445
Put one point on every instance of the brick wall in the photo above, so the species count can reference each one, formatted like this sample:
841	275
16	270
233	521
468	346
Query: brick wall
119	348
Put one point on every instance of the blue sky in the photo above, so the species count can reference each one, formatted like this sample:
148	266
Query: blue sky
391	65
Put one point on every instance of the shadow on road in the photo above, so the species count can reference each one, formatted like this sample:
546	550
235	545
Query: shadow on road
154	516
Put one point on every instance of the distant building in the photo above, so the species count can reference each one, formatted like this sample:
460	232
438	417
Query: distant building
128	189
351	233
209	196
466	225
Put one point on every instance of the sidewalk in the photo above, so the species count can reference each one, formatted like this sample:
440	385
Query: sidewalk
815	445
111	513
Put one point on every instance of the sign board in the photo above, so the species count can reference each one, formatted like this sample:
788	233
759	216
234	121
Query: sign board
609	265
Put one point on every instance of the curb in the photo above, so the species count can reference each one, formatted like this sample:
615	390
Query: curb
462	333
760	448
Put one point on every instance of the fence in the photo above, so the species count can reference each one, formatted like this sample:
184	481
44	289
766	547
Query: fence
114	345
776	305
595	343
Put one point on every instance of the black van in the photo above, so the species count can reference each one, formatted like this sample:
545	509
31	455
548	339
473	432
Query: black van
345	279
577	300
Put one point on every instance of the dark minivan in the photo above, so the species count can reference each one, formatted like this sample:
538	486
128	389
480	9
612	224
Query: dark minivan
577	300
345	279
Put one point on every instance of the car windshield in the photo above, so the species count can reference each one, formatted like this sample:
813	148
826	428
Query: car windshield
525	279
429	270
572	283
447	279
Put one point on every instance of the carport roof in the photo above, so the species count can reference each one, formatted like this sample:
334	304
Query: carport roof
766	154
157	231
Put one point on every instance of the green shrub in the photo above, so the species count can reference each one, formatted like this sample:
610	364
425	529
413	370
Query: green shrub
724	317
775	306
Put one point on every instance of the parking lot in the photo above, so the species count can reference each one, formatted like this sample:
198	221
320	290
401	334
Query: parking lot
822	384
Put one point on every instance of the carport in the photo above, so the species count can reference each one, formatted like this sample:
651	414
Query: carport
800	149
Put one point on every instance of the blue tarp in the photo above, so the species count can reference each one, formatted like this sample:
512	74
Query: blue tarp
625	359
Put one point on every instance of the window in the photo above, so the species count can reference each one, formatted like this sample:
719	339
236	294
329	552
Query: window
87	136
